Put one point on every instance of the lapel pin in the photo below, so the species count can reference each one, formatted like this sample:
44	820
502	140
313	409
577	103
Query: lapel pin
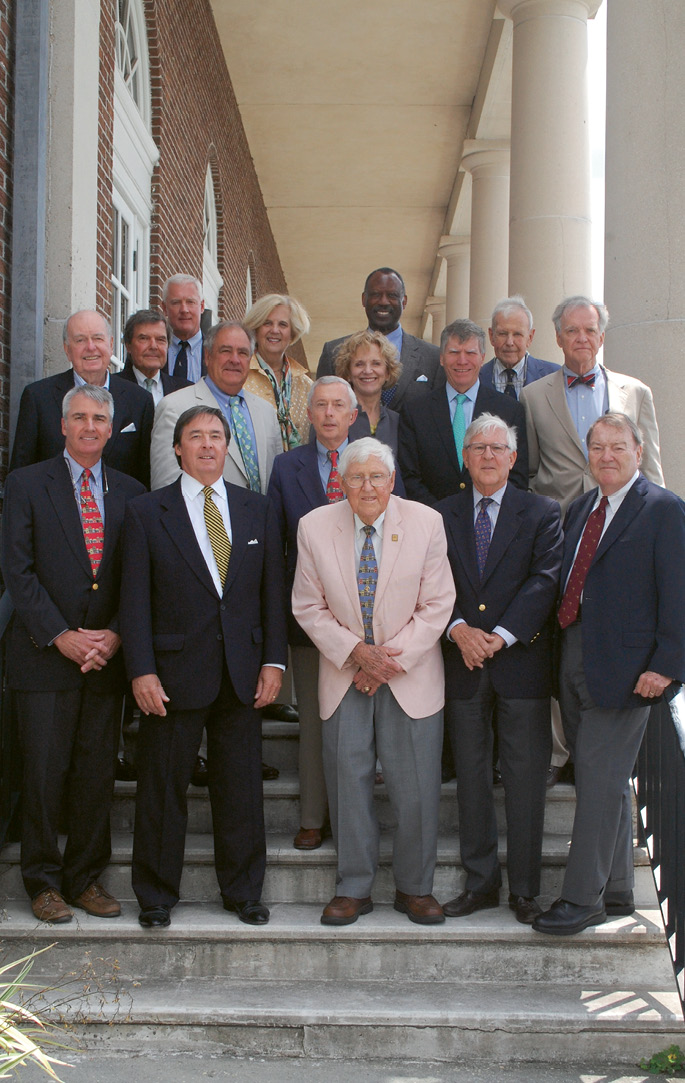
394	537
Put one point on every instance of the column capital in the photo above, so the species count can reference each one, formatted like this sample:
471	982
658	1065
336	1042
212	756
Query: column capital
453	246
486	155
518	10
435	304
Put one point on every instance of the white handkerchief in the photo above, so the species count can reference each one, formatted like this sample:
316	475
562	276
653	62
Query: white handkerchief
130	428
253	541
422	379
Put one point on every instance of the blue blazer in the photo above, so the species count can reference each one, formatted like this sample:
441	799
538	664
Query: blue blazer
517	591
294	490
633	616
535	370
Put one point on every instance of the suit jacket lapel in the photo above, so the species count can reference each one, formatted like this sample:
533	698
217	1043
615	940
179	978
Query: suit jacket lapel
343	546
556	397
176	522
460	524
114	516
572	535
408	357
617	393
393	536
61	493
309	479
441	414
506	529
630	506
241	532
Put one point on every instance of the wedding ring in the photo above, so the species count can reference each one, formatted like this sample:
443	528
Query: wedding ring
366	688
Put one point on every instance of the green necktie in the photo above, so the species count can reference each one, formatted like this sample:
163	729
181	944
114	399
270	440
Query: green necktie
459	429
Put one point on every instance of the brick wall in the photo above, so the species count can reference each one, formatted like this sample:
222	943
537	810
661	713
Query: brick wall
6	127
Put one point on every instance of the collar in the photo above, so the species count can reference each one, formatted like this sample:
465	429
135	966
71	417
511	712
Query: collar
80	382
395	337
617	498
221	397
377	524
192	342
496	497
471	394
519	367
141	377
75	469
596	370
322	451
192	487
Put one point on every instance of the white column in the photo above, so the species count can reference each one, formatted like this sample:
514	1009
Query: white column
435	306
456	252
488	163
549	236
645	226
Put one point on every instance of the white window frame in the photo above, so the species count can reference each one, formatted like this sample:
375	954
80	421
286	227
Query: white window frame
211	276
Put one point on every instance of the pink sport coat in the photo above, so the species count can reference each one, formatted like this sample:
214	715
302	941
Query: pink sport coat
414	599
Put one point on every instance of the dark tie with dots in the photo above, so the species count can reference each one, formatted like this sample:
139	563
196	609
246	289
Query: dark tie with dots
366	583
181	362
483	532
570	603
510	387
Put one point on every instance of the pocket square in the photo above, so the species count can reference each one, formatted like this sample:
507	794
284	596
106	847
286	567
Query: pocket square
253	541
422	379
130	428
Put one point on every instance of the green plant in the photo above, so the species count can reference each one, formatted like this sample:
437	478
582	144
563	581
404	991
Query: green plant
18	1025
668	1062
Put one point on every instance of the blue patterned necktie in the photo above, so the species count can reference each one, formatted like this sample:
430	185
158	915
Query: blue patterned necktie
483	531
367	579
246	444
181	362
510	386
459	429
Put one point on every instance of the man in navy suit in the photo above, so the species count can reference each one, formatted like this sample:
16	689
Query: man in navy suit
203	625
61	563
433	423
384	299
511	333
88	343
622	647
146	338
504	548
183	305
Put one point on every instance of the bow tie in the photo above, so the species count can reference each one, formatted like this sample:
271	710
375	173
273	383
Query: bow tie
589	380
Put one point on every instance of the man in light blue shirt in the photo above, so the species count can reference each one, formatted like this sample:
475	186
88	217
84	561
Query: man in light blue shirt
183	306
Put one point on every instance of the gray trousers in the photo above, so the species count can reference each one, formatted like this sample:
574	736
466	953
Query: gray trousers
604	744
313	803
361	728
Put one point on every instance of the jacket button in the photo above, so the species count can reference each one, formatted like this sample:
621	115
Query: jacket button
222	608
219	637
95	586
462	484
481	607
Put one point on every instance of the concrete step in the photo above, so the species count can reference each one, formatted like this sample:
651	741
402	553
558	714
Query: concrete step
206	942
282	807
448	1021
280	744
295	876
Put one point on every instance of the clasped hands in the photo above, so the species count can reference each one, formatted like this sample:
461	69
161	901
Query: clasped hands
377	666
475	644
90	648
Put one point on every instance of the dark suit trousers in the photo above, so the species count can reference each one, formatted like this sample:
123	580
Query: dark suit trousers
69	744
604	744
524	750
167	750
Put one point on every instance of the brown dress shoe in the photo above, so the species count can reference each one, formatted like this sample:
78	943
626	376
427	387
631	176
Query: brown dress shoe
343	910
98	902
308	838
50	906
423	909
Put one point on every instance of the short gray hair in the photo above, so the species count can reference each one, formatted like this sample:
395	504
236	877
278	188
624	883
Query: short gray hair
462	330
181	280
99	395
617	421
65	325
323	381
507	305
360	451
223	325
483	423
580	301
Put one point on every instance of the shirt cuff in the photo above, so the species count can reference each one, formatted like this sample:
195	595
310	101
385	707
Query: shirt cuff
459	620
508	638
275	665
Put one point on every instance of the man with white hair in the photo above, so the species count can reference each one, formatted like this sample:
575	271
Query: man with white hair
504	546
373	592
182	304
511	334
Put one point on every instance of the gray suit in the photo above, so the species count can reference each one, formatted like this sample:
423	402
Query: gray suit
419	358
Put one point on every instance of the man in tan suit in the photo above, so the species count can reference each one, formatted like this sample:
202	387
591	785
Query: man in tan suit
374	592
561	407
257	439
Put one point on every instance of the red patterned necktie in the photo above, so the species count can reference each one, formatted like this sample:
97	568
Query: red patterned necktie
334	491
570	603
93	530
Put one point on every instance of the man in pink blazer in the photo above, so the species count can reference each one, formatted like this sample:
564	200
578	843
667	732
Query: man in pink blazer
373	591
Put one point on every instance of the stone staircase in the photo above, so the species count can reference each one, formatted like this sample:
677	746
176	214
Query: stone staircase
481	987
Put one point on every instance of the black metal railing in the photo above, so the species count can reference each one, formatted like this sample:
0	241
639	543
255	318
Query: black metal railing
660	789
10	771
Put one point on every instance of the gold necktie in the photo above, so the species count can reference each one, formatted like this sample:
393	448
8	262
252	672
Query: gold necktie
218	538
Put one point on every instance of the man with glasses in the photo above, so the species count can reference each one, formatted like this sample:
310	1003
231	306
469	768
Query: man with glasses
505	550
373	592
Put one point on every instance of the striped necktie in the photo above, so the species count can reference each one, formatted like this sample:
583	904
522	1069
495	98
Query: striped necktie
91	520
218	538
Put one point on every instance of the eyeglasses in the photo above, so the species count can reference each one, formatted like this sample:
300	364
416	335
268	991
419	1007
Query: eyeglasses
356	481
480	449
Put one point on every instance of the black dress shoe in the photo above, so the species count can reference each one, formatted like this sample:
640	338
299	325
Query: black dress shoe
567	918
496	776
470	901
269	773
525	908
553	775
200	775
251	912
125	771
154	917
619	903
281	712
